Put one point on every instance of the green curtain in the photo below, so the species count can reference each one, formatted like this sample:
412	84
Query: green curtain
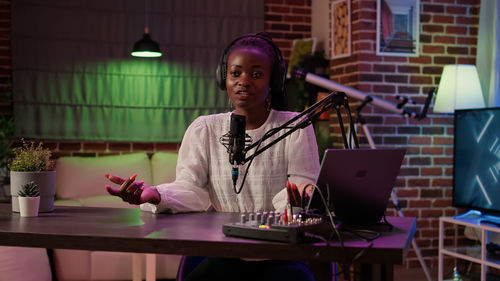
488	56
74	78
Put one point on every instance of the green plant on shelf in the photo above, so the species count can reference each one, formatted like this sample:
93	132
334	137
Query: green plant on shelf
31	158
29	190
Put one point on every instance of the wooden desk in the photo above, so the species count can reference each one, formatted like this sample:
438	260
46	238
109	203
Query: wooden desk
130	230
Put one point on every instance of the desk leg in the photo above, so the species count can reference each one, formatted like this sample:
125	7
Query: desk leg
374	272
365	272
387	272
150	267
136	267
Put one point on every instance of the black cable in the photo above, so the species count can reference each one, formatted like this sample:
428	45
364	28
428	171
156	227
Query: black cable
351	122
315	236
387	222
361	252
302	196
309	112
253	156
360	233
343	263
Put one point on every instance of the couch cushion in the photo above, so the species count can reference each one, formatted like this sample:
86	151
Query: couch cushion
163	167
83	177
78	265
118	266
24	264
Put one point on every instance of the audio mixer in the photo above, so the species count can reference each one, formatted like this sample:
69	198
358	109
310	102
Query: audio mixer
273	227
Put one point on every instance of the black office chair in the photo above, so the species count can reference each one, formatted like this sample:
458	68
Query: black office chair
186	265
322	271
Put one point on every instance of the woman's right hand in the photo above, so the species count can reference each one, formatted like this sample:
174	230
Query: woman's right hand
134	193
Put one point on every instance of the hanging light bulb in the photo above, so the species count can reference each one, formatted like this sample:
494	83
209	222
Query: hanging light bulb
146	47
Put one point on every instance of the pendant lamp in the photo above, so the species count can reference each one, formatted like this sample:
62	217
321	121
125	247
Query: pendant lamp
146	47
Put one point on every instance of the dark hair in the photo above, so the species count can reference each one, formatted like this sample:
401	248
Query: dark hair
259	43
263	42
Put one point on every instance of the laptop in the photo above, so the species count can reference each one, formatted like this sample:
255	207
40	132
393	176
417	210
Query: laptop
356	183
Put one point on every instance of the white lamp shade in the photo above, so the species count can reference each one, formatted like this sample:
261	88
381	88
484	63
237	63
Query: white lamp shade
459	88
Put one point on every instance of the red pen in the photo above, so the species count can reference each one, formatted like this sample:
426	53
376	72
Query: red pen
285	216
127	182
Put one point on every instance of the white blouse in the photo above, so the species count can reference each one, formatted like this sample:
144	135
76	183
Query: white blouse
203	173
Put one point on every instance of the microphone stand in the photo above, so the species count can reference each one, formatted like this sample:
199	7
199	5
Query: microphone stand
333	100
367	99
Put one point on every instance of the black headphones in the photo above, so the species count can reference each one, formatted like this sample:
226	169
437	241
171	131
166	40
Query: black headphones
278	74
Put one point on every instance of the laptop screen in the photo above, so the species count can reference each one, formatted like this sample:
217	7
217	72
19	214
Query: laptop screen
356	183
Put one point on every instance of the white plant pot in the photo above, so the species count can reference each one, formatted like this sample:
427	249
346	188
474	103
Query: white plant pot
28	206
46	182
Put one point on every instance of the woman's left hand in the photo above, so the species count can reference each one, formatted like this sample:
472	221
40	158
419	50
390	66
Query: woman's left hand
136	192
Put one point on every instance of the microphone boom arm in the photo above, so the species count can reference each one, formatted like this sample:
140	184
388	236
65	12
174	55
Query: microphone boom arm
334	99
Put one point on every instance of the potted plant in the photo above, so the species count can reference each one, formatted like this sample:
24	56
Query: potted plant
32	163
29	200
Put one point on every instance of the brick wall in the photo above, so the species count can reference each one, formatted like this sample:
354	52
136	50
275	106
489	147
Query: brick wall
448	35
286	20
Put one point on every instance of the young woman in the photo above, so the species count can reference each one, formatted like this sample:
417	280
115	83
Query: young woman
252	72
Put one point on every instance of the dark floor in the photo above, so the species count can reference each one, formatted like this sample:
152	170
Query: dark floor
417	274
402	274
413	274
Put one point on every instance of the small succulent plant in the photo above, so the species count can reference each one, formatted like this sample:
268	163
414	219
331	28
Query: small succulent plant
29	190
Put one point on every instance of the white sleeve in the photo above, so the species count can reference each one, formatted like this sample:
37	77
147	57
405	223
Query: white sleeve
280	201
303	162
188	192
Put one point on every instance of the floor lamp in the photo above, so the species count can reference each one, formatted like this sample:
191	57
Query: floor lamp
459	88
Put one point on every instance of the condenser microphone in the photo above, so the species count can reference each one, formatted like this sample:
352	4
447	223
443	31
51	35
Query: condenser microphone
236	147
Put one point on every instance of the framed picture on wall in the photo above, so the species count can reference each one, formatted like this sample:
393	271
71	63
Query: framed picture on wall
300	47
398	27
341	28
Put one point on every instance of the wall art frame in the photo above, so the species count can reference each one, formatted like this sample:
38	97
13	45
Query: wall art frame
341	28
398	28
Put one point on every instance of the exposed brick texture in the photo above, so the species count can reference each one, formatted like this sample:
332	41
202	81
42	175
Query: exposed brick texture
286	21
448	35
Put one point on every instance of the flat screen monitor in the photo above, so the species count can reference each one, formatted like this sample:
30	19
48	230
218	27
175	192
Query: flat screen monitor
476	167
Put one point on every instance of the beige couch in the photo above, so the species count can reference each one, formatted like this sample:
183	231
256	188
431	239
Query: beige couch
80	182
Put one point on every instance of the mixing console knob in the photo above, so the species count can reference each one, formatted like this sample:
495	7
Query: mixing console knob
270	218
252	217
243	218
277	218
259	218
